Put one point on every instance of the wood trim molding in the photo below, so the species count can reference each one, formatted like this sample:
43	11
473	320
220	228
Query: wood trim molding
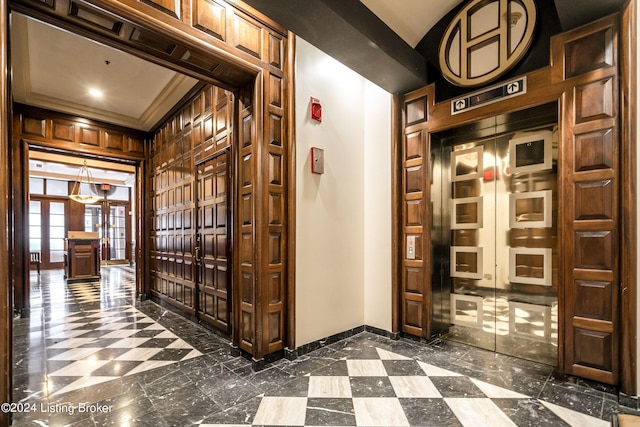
6	312
290	112
629	178
396	211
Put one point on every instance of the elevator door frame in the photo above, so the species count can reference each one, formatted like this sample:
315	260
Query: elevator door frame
592	97
532	123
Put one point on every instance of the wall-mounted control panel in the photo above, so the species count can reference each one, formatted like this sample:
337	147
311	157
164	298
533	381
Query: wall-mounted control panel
411	247
317	160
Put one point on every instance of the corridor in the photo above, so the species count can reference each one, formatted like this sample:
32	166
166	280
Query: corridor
92	354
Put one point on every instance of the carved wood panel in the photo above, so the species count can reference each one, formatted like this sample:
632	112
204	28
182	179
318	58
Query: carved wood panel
591	164
245	271
64	132
274	211
214	272
176	214
415	298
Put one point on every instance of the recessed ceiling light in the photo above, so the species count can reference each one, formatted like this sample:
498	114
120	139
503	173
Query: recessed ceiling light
96	93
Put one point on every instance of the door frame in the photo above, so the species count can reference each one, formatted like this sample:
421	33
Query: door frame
270	131
106	215
493	134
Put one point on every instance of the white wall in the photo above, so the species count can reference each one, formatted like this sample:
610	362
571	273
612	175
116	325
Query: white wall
377	202
333	218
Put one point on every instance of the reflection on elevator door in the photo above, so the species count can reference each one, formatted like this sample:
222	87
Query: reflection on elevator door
498	222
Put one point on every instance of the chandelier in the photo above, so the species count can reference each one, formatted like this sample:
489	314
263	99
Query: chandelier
75	192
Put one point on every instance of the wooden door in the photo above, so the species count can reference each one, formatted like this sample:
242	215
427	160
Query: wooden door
212	242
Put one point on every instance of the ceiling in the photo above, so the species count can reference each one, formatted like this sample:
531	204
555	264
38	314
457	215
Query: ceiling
54	69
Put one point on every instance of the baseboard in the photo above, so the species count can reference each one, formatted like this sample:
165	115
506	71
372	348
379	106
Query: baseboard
315	345
628	401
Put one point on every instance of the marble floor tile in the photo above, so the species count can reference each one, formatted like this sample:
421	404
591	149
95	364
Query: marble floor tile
330	412
478	413
366	368
329	387
414	386
434	371
79	368
575	418
496	392
282	411
96	342
379	411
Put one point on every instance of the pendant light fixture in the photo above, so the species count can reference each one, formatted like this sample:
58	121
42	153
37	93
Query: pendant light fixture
75	192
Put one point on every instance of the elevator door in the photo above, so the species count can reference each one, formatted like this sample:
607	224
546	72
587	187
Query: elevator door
495	211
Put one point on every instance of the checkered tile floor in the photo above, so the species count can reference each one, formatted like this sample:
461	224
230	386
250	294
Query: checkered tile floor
88	348
384	388
95	343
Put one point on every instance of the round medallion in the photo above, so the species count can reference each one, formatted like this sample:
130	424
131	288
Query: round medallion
486	39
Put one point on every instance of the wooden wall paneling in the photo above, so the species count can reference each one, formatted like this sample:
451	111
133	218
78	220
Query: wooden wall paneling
142	256
245	271
260	222
210	17
186	139
274	205
59	131
591	182
415	299
21	286
75	215
628	177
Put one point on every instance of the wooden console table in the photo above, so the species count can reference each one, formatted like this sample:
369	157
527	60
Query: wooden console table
82	259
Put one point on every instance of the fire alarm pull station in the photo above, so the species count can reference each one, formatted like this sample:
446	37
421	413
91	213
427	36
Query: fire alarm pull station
316	110
317	160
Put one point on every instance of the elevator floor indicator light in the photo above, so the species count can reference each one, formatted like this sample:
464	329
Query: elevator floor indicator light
489	96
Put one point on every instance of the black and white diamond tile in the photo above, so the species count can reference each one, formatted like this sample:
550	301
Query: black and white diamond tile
92	346
395	390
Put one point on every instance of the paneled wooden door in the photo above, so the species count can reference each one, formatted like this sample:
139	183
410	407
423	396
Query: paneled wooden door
213	250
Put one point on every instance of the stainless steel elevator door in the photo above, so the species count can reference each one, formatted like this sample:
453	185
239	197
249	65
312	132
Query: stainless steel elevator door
497	201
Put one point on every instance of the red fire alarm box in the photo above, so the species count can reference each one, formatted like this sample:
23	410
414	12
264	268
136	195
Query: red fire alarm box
316	110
